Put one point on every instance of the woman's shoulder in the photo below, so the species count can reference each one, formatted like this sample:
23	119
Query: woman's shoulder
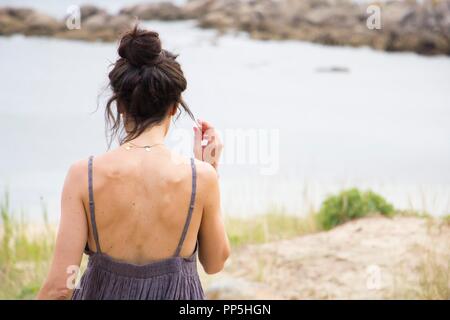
206	172
205	168
79	170
76	176
79	167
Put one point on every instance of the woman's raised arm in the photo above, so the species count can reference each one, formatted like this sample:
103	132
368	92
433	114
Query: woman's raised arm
214	245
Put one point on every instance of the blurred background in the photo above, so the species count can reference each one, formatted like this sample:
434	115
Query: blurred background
344	94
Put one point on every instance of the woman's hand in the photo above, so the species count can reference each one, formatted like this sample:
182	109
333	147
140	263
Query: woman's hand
213	149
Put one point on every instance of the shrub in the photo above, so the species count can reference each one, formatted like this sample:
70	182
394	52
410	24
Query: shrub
351	204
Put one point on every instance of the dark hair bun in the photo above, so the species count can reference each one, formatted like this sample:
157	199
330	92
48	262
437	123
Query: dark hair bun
140	47
147	83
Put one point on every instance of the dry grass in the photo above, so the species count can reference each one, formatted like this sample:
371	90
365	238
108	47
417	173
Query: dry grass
434	281
272	226
430	279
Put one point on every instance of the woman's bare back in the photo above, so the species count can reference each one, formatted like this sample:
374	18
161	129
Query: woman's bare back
141	204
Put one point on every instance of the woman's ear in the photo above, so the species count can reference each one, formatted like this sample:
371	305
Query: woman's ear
174	109
120	107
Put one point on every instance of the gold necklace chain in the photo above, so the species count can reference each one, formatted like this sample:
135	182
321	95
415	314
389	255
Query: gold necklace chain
131	145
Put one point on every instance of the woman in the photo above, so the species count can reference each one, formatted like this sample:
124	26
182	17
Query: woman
140	211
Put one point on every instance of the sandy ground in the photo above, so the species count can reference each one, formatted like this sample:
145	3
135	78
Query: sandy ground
370	258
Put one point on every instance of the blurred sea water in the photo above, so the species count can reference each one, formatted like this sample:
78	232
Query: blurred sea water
382	123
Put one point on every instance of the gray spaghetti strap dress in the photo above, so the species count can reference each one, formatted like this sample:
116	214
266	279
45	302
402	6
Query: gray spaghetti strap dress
107	278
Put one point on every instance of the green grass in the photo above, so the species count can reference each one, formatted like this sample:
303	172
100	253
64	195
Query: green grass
24	259
351	204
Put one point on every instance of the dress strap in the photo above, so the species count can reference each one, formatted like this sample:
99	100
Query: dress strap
92	205
191	208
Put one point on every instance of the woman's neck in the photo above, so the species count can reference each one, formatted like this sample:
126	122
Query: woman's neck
154	135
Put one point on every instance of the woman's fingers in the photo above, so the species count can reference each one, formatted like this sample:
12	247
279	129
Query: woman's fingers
205	125
198	149
211	151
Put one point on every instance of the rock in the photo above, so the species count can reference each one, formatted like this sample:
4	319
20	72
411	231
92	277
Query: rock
396	14
10	24
442	15
96	22
422	27
216	19
41	24
18	13
195	9
155	11
424	42
337	17
121	23
335	22
88	10
334	69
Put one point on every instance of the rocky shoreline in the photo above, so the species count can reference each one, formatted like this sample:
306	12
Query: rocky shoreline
423	27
